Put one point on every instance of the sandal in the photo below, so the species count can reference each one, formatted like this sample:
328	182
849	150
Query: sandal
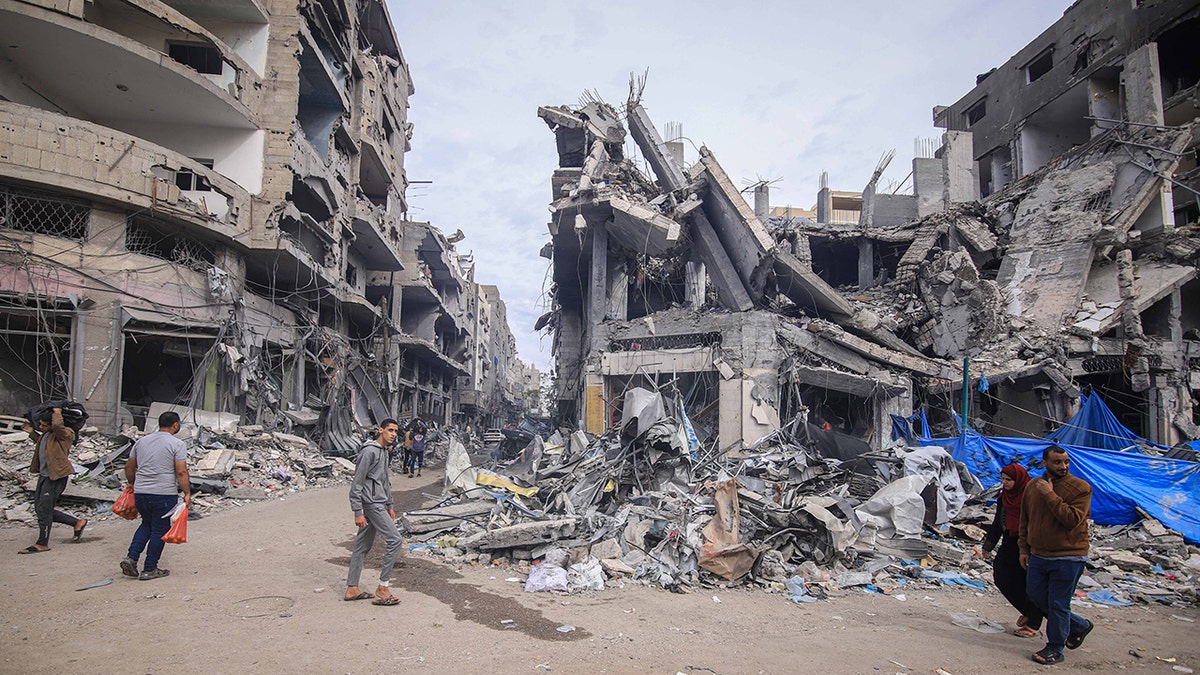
79	532
1025	632
362	595
1047	657
386	602
1076	639
32	549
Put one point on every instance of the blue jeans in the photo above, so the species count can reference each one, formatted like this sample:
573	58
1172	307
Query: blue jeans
1050	583
152	509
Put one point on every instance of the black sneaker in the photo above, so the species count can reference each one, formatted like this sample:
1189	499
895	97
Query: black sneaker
129	567
158	573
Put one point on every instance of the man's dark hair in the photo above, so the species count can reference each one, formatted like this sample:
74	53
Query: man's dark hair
387	421
1052	448
168	419
46	415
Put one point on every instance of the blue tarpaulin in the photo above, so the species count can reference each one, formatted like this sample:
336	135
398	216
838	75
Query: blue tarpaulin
1095	426
1122	482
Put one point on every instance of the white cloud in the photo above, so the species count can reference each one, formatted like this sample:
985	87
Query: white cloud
775	89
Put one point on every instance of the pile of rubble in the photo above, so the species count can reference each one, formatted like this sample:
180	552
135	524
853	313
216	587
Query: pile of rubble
227	468
805	512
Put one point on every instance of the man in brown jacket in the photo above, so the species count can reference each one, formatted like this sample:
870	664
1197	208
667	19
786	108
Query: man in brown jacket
52	465
1053	541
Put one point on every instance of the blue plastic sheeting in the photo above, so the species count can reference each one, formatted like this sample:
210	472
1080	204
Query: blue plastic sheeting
1095	426
1167	489
1195	445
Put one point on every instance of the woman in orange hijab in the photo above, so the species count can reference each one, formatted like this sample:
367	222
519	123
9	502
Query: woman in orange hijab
1006	565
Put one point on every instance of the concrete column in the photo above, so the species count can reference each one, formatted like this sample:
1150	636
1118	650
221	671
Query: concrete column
762	200
958	168
866	263
900	404
824	204
618	291
694	288
1143	86
599	288
97	359
927	186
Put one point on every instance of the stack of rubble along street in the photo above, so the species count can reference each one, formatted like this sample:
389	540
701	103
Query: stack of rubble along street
227	468
805	512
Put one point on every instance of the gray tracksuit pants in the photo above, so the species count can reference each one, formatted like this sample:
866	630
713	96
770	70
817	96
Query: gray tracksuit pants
378	520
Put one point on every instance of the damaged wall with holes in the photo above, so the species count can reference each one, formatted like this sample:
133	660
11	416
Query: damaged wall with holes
1073	267
204	205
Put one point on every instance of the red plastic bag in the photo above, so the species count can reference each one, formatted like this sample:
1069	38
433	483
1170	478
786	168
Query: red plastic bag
178	532
124	506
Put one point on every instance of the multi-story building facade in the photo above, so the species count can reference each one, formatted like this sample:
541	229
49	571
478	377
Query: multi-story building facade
203	204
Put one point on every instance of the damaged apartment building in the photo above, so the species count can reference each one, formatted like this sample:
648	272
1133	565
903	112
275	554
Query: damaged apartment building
203	204
1049	245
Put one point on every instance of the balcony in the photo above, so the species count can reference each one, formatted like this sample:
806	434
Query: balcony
119	167
378	253
103	76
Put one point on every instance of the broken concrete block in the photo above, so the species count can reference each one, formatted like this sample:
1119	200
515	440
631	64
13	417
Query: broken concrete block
616	567
290	439
949	553
1130	562
608	548
521	535
218	462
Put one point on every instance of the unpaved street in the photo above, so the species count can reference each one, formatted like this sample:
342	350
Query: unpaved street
258	589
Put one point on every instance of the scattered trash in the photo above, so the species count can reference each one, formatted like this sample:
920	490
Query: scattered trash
565	629
98	584
976	623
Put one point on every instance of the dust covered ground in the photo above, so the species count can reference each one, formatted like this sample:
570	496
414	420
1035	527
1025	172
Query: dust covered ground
259	588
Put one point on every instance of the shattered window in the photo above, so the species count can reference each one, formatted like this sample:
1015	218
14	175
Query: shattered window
43	213
159	239
198	56
1040	65
976	112
187	180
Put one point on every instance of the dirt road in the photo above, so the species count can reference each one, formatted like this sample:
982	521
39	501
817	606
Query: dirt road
258	589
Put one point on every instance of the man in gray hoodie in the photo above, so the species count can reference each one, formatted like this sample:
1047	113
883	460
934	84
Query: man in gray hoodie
371	500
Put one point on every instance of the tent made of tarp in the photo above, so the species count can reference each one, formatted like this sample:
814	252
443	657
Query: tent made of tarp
1122	482
1095	426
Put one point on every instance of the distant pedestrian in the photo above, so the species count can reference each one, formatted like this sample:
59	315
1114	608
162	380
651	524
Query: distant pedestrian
157	471
1007	571
1054	550
371	501
52	465
416	458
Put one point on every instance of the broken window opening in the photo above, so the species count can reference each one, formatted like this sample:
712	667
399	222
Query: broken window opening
654	290
1156	319
40	212
159	239
202	58
837	411
1189	322
1130	407
976	112
164	369
35	353
887	259
1040	65
1179	69
1056	128
834	260
995	170
186	180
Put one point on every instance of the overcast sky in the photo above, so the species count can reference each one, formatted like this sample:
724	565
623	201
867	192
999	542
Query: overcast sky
777	90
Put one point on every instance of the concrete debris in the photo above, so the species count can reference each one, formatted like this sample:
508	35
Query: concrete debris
226	468
637	504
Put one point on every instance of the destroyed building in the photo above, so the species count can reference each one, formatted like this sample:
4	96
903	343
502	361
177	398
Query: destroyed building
1077	270
203	204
